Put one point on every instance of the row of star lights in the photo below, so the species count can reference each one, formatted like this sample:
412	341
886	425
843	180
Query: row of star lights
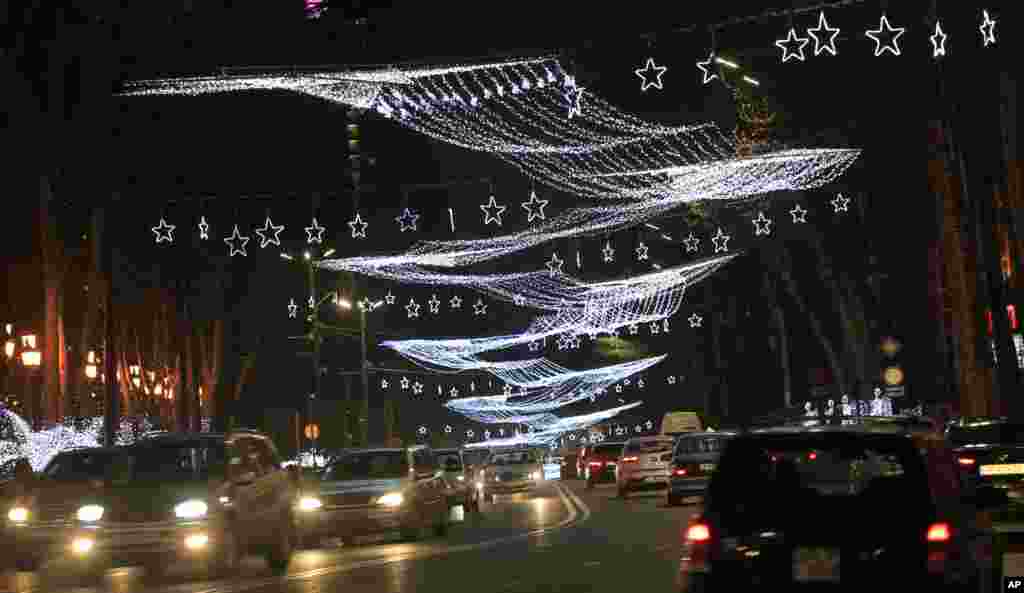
270	234
886	39
487	434
418	387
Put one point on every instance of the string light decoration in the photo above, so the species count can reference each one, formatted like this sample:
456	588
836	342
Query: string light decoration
407	220
492	211
641	252
412	309
839	203
456	302
293	309
315	233
721	241
358	226
651	75
799	214
204	228
820	44
237	243
691	242
886	37
608	253
762	225
792	46
265	234
988	30
435	304
164	232
707	70
938	40
534	208
696	320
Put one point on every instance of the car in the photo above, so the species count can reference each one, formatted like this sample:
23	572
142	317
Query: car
464	489
694	458
856	506
600	463
990	451
511	471
377	490
644	464
475	459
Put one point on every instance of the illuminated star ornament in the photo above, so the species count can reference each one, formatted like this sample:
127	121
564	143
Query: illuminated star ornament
389	298
413	308
825	31
293	309
799	214
707	69
417	388
519	300
480	307
574	96
762	225
311	303
651	75
608	253
988	30
534	346
508	390
492	211
695	320
691	243
938	40
792	46
405	382
423	430
555	265
456	302
886	37
655	328
163	232
265	234
839	203
358	226
435	304
634	329
236	242
454	392
204	228
407	220
384	383
315	233
448	428
641	252
534	208
671	379
721	241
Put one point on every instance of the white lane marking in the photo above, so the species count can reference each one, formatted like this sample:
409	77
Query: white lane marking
337	569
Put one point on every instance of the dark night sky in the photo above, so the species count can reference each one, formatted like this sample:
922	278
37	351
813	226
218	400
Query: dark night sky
275	150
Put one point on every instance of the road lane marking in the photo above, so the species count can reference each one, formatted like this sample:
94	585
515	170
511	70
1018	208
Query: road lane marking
574	517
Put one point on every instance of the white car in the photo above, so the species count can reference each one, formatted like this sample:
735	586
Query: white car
508	472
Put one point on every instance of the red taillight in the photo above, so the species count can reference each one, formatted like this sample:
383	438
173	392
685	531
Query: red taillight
698	533
966	461
596	463
812	456
679	472
938	532
630	459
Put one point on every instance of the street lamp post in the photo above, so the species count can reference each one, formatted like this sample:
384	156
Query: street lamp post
32	358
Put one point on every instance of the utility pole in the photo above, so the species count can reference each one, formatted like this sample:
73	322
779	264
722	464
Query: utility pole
315	338
364	374
111	409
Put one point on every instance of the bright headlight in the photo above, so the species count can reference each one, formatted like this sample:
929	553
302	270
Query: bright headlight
393	499
535	476
308	503
462	478
90	513
18	514
191	509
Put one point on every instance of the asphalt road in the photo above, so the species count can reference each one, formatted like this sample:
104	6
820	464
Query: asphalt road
562	538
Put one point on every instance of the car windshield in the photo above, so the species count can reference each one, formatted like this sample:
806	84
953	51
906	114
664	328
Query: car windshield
474	456
449	460
369	465
803	475
176	462
513	458
648	446
79	466
1008	434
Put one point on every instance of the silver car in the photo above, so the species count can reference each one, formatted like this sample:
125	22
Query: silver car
644	464
512	471
463	490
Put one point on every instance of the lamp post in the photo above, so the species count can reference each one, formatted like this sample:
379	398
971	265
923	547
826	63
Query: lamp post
32	359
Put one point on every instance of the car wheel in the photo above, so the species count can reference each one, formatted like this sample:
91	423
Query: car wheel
280	554
227	558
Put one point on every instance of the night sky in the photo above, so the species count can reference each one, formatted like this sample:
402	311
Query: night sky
236	158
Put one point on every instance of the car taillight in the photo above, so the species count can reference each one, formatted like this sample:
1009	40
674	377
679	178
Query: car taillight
698	533
966	461
679	471
812	456
938	533
596	463
630	459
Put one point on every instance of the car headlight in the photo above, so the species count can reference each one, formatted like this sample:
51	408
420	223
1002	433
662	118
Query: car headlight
535	476
191	509
90	513
392	499
18	514
461	478
309	503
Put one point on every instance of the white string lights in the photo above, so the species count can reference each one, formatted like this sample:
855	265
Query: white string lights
886	37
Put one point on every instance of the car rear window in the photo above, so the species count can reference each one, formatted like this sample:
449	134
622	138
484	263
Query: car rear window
1011	434
648	446
766	478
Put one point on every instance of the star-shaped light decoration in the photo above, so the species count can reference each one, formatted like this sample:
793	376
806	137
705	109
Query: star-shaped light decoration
762	225
405	382
315	233
508	390
435	304
389	298
204	228
878	391
564	341
640	383
534	346
413	308
839	203
519	300
608	253
163	232
265	234
655	328
534	208
236	242
641	252
671	379
664	325
696	320
407	220
453	392
634	329
293	309
311	302
825	31
618	388
447	428
651	75
365	304
707	69
574	96
799	214
721	241
988	30
792	46
886	38
358	226
456	302
422	430
492	211
637	428
480	307
649	425
576	341
555	265
691	243
384	384
626	381
938	40
417	388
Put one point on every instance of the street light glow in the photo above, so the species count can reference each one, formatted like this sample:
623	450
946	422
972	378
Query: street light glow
725	62
286	256
31	358
307	255
344	303
9	348
751	81
329	252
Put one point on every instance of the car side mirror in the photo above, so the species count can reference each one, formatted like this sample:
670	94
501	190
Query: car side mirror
988	497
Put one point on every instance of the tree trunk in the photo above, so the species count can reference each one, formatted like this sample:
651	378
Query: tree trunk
49	409
770	287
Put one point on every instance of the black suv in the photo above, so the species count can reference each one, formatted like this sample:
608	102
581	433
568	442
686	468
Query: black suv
852	506
206	498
